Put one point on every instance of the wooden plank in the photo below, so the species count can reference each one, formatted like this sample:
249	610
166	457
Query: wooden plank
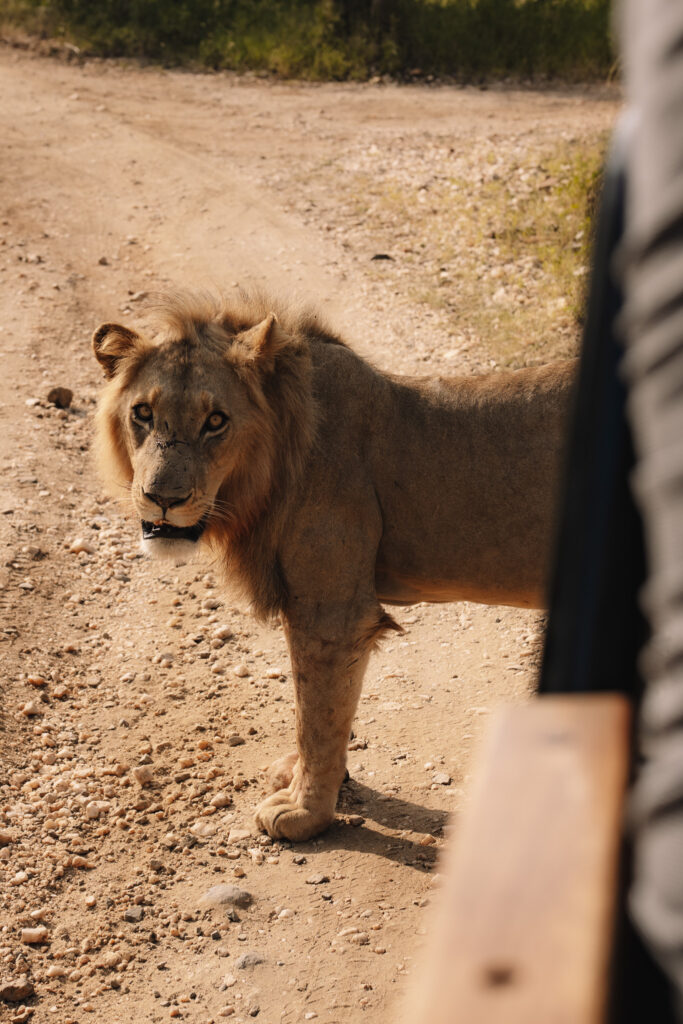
525	915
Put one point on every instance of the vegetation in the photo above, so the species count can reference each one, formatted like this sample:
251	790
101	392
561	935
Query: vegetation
339	39
500	248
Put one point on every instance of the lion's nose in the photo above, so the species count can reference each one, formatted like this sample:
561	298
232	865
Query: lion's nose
166	501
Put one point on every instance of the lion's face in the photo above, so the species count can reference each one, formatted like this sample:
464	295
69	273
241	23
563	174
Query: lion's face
182	418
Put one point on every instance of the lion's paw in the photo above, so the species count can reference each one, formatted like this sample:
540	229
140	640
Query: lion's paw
282	817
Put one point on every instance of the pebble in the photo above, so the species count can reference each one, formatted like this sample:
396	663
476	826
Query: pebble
274	673
5	837
235	740
22	1015
55	971
226	895
15	990
241	670
60	396
31	709
317	879
249	960
441	778
221	799
34	936
204	829
95	808
238	835
80	545
143	774
133	914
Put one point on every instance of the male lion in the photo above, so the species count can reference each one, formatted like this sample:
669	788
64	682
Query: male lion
328	488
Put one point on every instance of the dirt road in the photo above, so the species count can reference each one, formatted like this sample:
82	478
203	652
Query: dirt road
116	182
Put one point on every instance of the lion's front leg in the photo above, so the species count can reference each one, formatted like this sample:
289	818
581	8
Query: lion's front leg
328	676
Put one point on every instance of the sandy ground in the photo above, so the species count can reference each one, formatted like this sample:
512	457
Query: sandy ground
117	181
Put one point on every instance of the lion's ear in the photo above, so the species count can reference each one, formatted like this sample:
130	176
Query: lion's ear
261	343
111	343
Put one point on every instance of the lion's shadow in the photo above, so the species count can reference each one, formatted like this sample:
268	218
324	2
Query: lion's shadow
388	811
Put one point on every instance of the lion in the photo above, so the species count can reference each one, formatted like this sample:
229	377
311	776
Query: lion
328	489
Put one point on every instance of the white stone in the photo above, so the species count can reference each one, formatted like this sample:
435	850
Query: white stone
143	774
79	545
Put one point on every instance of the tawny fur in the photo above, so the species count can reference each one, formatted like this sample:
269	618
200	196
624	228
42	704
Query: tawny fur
332	490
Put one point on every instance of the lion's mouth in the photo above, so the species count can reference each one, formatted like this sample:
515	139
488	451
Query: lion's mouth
166	531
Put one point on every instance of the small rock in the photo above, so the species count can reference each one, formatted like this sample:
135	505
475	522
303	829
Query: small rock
30	709
228	981
22	1015
226	896
5	837
204	829
317	879
355	820
60	396
241	670
238	835
249	960
235	740
134	914
274	673
143	774
14	990
80	545
34	936
221	799
441	778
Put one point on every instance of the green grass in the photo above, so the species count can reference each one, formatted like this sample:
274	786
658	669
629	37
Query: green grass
546	230
502	254
338	39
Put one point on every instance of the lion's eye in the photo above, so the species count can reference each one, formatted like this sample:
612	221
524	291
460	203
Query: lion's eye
142	413
215	422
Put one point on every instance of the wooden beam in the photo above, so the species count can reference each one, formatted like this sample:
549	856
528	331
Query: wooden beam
525	917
